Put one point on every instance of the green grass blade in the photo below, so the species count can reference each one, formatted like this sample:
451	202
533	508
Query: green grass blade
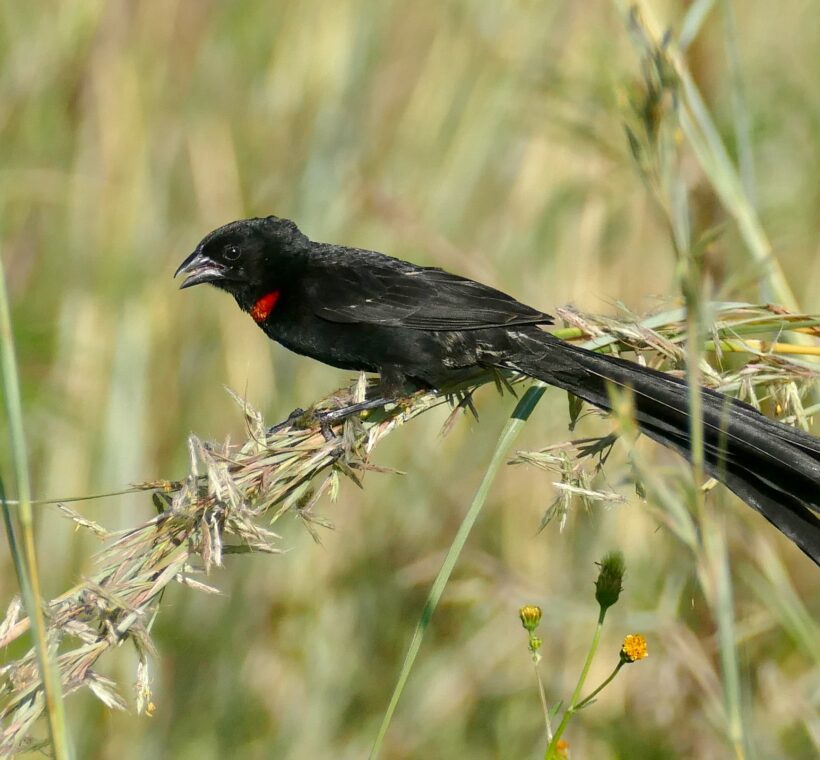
21	532
519	416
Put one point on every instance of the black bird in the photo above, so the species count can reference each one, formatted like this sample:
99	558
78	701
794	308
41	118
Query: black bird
361	310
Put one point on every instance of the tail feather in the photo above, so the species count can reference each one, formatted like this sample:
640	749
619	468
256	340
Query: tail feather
774	468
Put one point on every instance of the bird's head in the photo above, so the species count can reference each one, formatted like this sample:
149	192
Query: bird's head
246	258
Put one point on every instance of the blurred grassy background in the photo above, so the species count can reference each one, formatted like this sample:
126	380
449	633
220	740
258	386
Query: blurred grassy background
485	137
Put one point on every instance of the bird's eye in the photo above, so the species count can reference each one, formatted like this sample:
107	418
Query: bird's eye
231	253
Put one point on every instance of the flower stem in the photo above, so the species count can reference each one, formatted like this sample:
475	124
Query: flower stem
584	702
573	706
543	695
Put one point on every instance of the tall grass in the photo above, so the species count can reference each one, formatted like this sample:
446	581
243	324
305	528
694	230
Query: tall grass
19	525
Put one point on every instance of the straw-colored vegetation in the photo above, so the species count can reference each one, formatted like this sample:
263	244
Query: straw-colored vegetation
484	137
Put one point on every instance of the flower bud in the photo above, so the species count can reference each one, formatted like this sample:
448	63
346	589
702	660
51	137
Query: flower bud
609	585
530	617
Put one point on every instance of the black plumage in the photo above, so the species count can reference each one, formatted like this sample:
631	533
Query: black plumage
362	310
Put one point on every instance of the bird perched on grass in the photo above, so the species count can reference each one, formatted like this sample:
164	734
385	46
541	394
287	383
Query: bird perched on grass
361	310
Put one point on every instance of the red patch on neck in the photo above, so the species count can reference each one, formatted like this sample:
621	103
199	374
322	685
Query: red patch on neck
264	306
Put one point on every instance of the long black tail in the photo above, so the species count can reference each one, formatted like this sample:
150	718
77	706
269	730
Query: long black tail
773	467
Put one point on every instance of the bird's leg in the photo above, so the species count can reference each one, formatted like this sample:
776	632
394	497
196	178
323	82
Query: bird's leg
326	419
392	388
349	411
292	417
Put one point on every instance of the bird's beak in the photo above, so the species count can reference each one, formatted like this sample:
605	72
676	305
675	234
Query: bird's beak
199	269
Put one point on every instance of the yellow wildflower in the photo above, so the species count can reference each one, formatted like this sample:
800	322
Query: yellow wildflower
634	648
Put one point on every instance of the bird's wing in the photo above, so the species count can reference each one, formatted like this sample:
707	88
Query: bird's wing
377	289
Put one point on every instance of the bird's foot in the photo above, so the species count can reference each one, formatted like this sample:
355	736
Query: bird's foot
327	419
300	418
296	416
348	411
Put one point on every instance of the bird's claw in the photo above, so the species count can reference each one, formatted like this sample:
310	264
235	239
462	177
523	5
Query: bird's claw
293	417
327	419
338	415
